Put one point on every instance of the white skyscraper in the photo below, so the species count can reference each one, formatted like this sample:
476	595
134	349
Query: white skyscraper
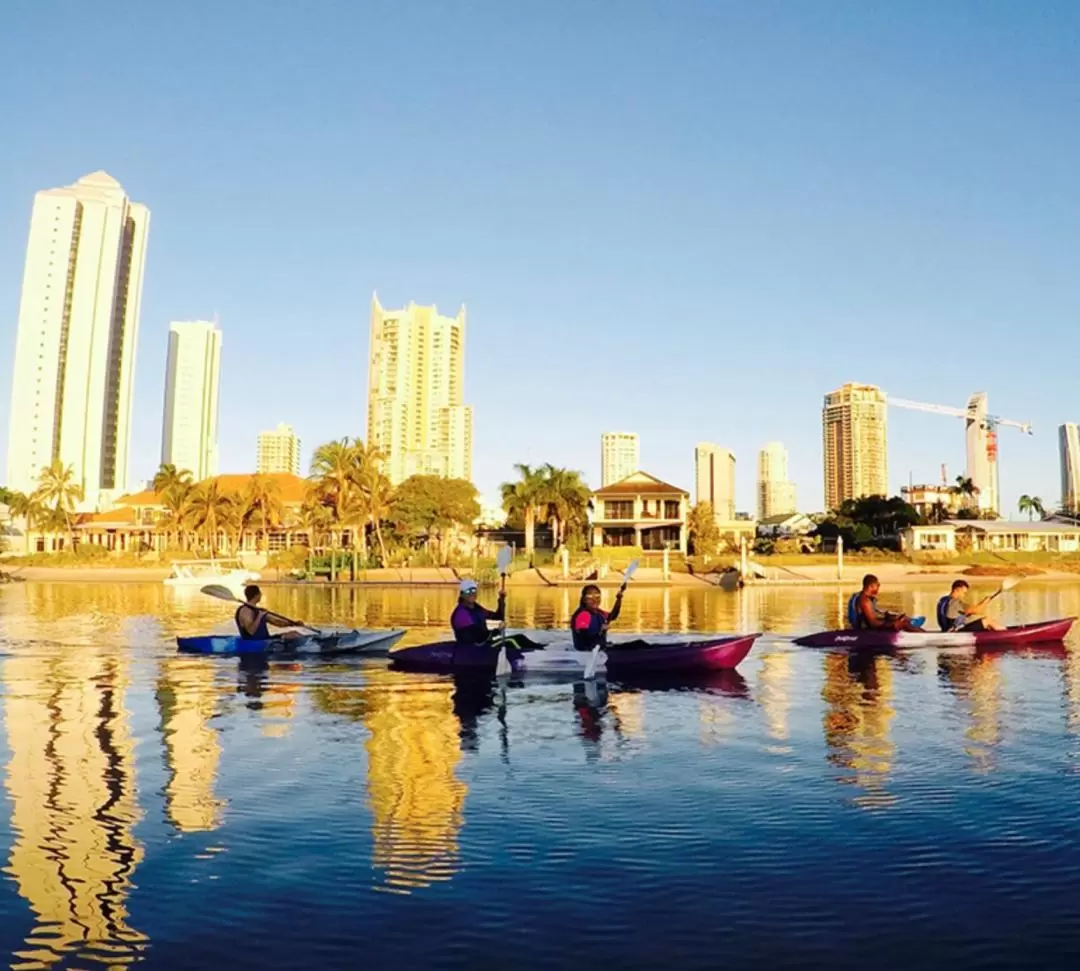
1069	435
416	374
714	478
78	326
278	451
776	495
982	454
620	456
189	435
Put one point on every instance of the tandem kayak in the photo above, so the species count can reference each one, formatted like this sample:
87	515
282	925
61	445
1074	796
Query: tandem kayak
552	652
369	642
1047	631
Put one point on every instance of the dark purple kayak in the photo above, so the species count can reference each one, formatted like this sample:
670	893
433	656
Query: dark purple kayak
1048	630
551	652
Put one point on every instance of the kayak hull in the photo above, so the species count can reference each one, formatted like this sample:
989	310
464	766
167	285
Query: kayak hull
1045	632
548	652
376	643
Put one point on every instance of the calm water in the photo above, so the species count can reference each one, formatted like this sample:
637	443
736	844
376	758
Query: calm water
185	812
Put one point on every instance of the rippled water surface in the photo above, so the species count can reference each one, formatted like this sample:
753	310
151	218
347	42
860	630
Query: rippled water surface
810	810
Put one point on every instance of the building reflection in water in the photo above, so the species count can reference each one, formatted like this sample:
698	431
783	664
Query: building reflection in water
774	679
977	681
71	785
416	799
858	691
187	698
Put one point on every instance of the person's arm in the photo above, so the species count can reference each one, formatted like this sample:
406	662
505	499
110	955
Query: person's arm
276	620
500	611
614	615
866	609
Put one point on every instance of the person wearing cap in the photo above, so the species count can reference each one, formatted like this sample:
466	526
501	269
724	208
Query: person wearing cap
469	619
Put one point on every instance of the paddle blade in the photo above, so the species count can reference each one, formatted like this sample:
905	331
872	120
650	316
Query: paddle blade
630	570
217	590
590	667
1009	582
918	621
502	559
502	666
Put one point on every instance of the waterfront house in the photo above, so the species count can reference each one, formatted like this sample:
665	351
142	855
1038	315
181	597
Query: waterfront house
643	511
993	536
785	525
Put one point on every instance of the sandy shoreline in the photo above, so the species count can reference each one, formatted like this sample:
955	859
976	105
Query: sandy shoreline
810	575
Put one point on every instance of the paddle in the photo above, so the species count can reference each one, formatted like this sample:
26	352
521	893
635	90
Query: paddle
1007	584
590	668
224	593
502	564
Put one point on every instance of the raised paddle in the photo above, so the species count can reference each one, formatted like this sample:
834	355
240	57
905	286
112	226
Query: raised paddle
1007	584
224	593
590	668
502	564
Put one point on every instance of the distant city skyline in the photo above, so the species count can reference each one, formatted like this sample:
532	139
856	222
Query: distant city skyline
278	450
714	479
855	445
74	362
620	456
677	252
417	417
189	432
775	492
1069	445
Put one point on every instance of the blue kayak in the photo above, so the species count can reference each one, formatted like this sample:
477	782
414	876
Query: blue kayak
370	642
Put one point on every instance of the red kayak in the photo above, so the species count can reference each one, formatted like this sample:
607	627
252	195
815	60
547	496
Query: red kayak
1047	631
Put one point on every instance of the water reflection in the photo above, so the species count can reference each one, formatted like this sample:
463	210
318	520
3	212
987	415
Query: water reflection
71	784
858	691
187	696
415	796
976	680
774	680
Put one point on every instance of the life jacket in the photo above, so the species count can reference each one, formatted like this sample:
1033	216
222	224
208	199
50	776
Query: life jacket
469	624
853	611
262	630
587	636
943	616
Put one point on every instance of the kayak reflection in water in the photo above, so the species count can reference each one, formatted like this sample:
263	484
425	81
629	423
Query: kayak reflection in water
864	613
469	619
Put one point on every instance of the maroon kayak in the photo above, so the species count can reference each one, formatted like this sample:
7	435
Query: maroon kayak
551	652
1047	631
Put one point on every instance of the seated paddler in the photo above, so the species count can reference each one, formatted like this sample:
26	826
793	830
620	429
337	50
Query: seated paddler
254	622
469	619
589	624
865	614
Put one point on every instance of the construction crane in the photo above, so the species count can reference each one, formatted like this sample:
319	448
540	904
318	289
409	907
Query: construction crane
989	422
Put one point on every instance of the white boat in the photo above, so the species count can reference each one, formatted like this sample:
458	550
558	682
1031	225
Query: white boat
229	573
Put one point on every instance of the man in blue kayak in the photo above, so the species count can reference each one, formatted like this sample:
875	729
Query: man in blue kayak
955	614
469	619
254	622
864	613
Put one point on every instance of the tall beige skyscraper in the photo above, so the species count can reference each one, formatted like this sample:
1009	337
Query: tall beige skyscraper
416	373
1069	437
620	456
278	451
775	492
714	478
78	325
189	435
855	443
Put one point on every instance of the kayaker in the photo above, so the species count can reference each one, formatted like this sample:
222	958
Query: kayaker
253	621
589	624
469	619
864	613
954	613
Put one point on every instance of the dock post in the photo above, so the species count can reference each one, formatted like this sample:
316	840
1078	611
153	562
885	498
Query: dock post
839	557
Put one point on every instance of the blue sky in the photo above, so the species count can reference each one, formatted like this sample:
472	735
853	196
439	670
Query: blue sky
689	220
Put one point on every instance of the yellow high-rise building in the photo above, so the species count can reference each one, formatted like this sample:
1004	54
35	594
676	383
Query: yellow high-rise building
416	373
278	451
854	443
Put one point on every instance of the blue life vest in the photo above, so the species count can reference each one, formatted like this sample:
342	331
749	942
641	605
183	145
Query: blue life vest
853	611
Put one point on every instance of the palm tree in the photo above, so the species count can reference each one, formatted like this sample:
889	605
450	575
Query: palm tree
378	492
336	466
169	478
174	487
525	497
1032	505
210	512
261	506
57	486
30	509
564	500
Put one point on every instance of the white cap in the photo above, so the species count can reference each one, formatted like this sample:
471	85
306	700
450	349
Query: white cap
468	586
